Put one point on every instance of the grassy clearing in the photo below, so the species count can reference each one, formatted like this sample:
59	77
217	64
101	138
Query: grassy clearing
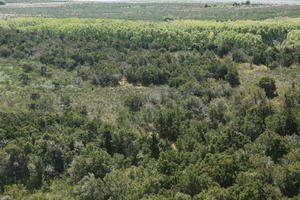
150	11
108	102
105	102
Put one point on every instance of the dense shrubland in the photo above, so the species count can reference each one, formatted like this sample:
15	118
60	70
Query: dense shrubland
270	43
97	109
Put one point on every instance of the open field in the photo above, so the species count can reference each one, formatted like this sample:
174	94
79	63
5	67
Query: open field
282	2
149	11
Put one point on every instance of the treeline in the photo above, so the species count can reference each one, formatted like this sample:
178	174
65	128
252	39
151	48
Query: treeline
205	135
268	43
106	63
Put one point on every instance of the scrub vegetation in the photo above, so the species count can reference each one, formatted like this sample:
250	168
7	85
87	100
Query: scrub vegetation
103	109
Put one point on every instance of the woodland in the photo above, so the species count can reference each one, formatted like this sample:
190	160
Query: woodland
114	109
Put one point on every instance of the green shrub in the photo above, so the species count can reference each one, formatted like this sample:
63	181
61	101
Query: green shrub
268	84
5	51
134	102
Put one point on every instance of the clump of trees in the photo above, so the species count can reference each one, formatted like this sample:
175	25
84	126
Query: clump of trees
247	3
268	84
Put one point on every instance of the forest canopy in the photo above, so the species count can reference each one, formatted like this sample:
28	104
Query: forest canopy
94	109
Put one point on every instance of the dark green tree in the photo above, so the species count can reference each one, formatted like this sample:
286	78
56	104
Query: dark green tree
268	84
